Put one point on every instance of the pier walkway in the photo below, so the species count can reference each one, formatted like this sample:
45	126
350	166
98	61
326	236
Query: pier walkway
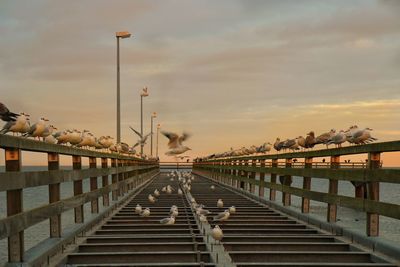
262	232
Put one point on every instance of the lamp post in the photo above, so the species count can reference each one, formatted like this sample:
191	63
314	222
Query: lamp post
153	115
158	130
119	35
144	93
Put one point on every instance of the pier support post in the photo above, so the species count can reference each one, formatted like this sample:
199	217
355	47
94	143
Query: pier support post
261	187
114	180
287	181
373	194
272	191
53	160
78	189
333	189
94	204
120	178
104	182
252	177
14	206
305	202
237	174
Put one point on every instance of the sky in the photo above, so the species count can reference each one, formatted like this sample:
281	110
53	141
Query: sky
232	73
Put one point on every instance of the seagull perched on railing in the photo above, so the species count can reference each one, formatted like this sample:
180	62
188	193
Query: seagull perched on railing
6	114
20	125
38	129
175	143
142	139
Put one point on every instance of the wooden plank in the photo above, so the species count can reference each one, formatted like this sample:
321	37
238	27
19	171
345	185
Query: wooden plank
272	191
104	182
78	189
8	141
94	205
18	180
261	187
114	180
333	189
14	206
373	194
287	180
305	202
53	160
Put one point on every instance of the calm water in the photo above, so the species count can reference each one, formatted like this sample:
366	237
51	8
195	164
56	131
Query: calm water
35	197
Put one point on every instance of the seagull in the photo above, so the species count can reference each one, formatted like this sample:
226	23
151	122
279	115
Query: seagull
151	199
301	141
180	192
325	137
212	187
220	203
310	140
142	139
156	193
361	136
264	148
37	129
217	233
222	216
202	211
203	218
6	114
175	143
168	220
145	212
138	208
338	139
20	125
232	210
278	144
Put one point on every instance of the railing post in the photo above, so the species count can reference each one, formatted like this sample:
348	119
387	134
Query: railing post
374	159
14	206
305	202
104	182
231	172
272	191
53	160
333	189
261	188
120	178
94	204
252	177
114	180
78	189
287	181
237	174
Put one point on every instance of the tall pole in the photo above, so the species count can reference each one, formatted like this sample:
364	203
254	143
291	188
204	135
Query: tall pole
151	136
118	98
141	124
158	130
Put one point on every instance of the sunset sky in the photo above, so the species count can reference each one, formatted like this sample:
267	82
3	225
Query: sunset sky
232	73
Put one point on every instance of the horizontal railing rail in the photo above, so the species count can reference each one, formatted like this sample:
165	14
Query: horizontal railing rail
125	174
242	172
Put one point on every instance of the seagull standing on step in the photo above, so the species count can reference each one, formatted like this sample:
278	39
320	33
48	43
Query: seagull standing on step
168	220
145	212
6	114
220	203
138	209
217	233
175	143
222	216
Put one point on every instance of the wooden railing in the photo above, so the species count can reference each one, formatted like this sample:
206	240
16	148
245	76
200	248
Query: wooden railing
241	172
169	166
127	174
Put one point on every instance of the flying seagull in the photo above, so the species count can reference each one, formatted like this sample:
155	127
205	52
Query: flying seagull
142	139
6	114
175	143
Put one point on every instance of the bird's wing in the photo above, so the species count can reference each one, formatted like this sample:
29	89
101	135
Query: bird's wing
164	221
135	145
7	126
358	134
145	137
3	109
183	137
173	139
136	132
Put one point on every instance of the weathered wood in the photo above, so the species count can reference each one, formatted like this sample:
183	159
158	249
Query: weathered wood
252	175
18	180
114	180
272	192
78	189
287	180
54	195
14	206
261	187
94	205
305	202
104	182
373	194
333	189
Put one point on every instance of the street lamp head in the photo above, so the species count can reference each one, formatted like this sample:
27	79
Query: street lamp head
122	34
154	115
144	92
158	126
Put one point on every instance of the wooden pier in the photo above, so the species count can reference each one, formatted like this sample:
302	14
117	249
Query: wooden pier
263	231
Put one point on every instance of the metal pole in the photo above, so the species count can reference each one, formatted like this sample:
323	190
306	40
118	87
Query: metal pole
151	136
118	98
158	129
141	124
